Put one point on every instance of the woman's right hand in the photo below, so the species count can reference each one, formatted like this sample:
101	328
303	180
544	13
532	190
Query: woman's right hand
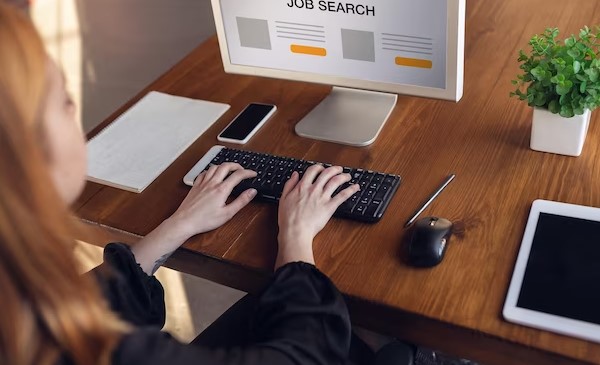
205	207
305	207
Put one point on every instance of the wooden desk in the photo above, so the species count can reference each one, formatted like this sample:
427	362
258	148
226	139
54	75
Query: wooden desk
484	139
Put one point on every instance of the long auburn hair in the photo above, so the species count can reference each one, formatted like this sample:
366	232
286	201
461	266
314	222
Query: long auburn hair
47	309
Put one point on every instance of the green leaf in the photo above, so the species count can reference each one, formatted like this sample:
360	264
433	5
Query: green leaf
593	73
538	73
582	47
520	94
563	89
565	99
554	107
575	53
566	111
578	110
568	72
559	62
570	42
540	99
576	66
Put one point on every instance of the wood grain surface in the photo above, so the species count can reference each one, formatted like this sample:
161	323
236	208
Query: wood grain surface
483	139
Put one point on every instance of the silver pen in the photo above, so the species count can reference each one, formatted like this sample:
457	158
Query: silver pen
433	196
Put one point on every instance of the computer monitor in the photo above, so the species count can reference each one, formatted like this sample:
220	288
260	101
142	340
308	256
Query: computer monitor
369	50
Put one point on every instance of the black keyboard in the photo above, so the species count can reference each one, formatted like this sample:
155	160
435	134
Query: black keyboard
367	205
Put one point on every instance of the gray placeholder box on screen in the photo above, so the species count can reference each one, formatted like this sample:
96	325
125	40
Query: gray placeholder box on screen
358	45
254	33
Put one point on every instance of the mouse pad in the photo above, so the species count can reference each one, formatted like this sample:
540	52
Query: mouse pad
563	269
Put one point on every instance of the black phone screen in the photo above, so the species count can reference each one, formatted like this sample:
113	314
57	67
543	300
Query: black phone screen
245	122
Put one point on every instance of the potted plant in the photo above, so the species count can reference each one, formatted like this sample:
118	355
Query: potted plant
561	80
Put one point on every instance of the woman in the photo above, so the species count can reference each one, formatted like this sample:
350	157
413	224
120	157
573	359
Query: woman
52	315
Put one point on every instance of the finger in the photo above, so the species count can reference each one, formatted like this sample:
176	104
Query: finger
198	180
327	174
290	184
344	195
210	172
237	177
224	169
241	201
335	182
311	174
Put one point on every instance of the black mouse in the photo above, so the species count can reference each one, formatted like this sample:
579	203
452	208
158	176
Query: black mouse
428	242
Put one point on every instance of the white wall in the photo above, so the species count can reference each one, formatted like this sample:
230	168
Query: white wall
110	49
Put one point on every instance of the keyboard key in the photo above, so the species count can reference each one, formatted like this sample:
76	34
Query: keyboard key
389	180
373	207
278	187
360	209
382	192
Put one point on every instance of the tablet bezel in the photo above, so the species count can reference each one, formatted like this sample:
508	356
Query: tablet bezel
528	317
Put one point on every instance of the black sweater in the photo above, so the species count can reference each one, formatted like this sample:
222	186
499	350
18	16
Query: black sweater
300	318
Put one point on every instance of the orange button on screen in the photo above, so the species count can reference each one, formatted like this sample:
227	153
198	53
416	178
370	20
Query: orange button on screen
313	51
414	62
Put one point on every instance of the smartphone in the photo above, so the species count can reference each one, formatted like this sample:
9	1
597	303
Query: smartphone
245	125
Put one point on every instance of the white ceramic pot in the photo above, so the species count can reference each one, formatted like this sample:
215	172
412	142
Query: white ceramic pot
556	134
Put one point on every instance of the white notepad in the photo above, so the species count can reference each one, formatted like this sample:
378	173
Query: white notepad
141	143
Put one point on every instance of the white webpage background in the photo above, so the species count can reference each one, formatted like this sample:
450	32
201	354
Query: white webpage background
413	18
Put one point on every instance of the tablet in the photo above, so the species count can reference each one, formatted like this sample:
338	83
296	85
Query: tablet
556	281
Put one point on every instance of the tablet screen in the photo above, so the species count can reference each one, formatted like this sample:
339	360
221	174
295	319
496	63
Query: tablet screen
563	271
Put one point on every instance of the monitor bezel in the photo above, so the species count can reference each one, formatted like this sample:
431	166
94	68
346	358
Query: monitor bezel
454	62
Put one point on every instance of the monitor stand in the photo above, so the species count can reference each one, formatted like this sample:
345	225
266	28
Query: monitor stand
348	116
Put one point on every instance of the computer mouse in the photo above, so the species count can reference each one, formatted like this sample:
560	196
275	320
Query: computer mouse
428	241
